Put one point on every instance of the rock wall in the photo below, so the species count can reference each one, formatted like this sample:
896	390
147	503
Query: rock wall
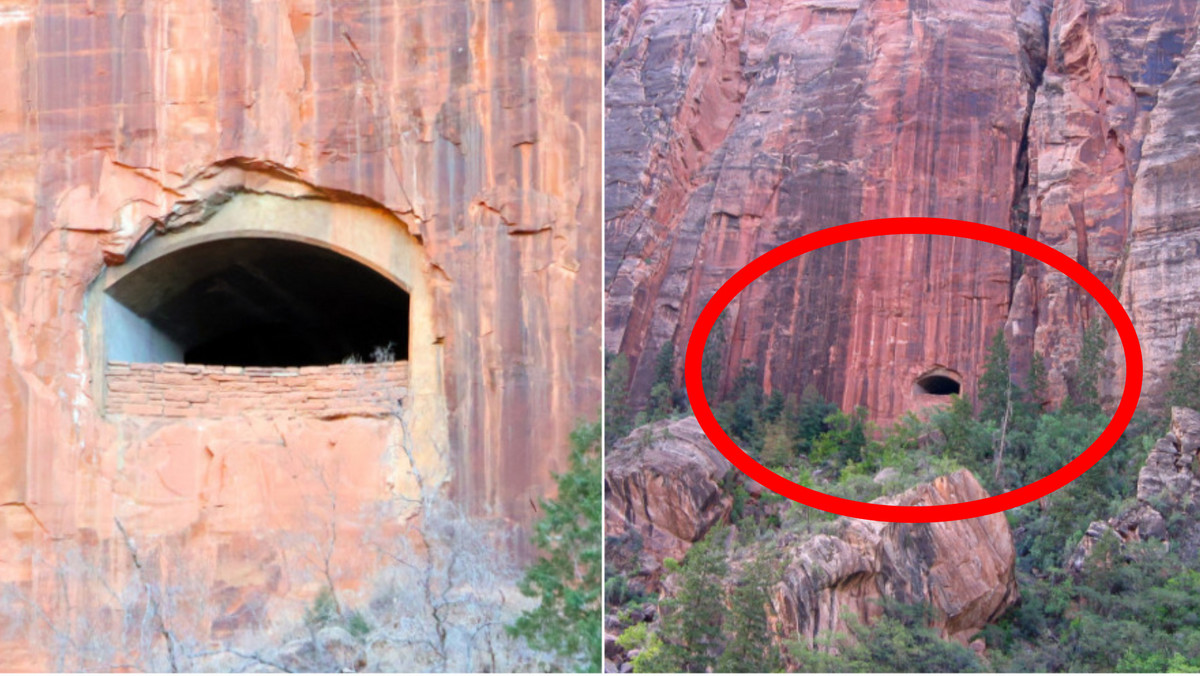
473	126
735	126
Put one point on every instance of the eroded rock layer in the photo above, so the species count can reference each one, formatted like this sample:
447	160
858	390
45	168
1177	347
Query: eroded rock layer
734	127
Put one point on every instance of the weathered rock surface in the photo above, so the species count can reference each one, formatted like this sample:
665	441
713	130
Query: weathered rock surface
662	492
964	569
734	127
475	127
1168	496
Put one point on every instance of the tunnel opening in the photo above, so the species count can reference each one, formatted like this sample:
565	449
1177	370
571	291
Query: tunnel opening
938	384
255	301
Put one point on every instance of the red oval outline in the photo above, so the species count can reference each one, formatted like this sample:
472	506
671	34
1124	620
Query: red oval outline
914	226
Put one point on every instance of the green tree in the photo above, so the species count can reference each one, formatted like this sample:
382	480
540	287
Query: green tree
966	439
1085	390
567	574
843	440
662	393
1183	382
714	357
775	406
618	418
807	420
995	385
740	414
664	364
1035	386
901	641
692	622
750	648
778	448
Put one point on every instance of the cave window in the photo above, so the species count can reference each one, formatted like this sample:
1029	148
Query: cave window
937	383
255	301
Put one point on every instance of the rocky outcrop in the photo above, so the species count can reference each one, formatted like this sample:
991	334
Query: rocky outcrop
734	127
1168	496
472	128
964	569
663	491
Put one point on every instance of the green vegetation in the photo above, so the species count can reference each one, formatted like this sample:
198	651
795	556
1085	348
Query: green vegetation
899	641
618	418
705	627
1132	607
566	576
1183	387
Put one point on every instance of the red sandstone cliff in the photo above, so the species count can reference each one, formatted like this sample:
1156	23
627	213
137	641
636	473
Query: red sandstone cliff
474	126
735	126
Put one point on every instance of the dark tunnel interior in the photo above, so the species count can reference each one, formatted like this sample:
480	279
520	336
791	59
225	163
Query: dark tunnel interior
262	302
937	384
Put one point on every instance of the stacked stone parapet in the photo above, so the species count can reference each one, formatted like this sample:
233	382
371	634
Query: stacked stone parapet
205	391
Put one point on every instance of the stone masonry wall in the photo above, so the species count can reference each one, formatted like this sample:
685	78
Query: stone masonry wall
203	391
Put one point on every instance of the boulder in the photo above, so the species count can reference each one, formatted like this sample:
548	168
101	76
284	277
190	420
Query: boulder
964	569
662	492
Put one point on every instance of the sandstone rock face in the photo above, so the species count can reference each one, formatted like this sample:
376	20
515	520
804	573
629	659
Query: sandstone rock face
1168	495
964	569
662	492
474	130
734	127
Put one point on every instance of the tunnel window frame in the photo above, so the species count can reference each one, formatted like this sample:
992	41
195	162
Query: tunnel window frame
369	235
938	375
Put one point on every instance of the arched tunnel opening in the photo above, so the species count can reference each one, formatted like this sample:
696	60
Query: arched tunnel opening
937	384
255	301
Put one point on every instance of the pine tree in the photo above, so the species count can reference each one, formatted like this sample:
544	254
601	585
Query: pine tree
664	364
776	403
1027	411
750	648
740	414
1036	384
662	393
1183	385
778	449
807	421
567	575
714	356
692	622
618	420
995	385
1085	393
